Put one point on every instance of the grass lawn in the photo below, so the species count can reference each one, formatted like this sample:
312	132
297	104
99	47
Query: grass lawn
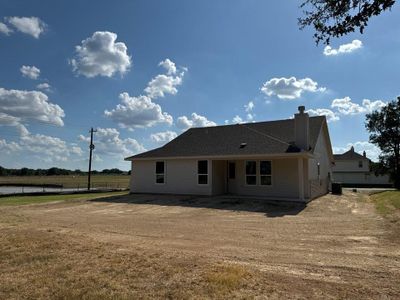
387	202
70	181
23	200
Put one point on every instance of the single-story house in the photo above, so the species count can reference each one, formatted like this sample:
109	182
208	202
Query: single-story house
282	160
353	169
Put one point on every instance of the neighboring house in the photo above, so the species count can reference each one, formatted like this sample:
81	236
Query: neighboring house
353	169
282	160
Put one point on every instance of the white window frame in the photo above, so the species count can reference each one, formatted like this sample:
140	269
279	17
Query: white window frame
258	173
203	174
246	175
265	175
164	174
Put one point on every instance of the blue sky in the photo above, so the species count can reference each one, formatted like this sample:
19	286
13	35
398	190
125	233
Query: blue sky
141	72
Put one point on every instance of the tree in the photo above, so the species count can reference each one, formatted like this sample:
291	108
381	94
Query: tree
332	18
384	128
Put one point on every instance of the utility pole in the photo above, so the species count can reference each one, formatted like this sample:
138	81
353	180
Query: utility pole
91	147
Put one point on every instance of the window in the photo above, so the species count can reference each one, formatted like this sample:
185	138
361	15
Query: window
232	170
265	172
202	172
360	164
160	172
251	172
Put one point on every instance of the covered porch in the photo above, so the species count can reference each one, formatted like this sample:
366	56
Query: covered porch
281	178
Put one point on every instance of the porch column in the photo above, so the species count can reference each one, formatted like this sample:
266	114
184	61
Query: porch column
301	178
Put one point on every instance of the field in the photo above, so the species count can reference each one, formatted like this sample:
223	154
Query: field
70	181
176	247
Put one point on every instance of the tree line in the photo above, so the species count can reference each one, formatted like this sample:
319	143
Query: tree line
56	171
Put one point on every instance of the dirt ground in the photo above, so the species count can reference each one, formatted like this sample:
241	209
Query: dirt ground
178	247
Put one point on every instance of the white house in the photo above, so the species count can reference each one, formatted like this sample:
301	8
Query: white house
285	159
353	169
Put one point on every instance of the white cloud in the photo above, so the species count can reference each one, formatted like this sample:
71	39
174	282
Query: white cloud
345	48
109	142
237	120
165	84
141	111
44	148
5	29
163	137
195	120
137	112
249	107
100	55
32	26
290	88
30	71
330	115
9	147
370	106
169	66
346	107
24	106
371	150
44	86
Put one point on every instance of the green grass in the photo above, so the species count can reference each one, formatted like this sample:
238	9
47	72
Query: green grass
23	200
387	202
70	181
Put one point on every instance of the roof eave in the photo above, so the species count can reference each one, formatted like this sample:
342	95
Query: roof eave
304	154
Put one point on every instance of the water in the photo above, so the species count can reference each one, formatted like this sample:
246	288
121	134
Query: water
9	190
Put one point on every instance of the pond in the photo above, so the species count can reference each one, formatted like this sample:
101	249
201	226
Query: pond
9	190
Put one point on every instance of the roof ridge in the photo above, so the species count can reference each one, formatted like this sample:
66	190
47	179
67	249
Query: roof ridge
265	134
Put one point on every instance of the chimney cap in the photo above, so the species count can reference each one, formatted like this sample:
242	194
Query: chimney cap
301	109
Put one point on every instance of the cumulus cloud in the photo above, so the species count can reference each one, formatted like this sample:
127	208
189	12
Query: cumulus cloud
237	120
137	112
346	107
141	111
30	71
195	120
169	66
109	142
290	88
5	29
43	147
44	86
345	48
101	55
9	147
32	26
371	150
330	115
165	83
23	106
163	137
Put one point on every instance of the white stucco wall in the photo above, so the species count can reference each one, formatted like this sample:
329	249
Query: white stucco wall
285	182
180	178
360	178
351	166
319	185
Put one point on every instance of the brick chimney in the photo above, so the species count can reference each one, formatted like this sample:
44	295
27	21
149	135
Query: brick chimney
302	129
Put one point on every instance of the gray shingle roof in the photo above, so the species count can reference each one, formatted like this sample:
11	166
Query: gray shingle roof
349	155
274	137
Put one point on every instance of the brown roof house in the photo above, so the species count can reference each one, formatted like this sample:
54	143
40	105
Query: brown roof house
281	160
353	169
